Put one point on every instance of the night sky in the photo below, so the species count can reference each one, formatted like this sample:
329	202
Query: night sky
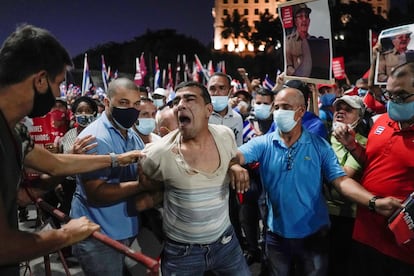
83	24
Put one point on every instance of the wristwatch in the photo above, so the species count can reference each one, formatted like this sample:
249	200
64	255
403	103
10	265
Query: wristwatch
114	160
371	203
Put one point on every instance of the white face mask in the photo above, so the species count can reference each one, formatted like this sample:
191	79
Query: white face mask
284	119
262	111
146	125
219	102
158	102
335	125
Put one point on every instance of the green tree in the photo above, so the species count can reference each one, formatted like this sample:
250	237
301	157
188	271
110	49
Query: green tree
268	32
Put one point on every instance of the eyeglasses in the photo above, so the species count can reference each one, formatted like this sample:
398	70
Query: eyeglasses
399	97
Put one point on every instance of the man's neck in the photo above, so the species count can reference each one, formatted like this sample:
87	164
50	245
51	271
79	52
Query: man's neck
291	137
223	112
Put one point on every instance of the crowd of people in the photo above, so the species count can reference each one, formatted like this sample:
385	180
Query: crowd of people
236	176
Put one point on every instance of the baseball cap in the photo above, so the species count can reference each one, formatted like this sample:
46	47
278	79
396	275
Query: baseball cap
353	101
300	7
160	91
246	94
319	86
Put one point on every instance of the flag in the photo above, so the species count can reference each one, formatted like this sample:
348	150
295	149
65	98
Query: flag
268	83
105	77
170	81
187	73
223	67
138	74
143	67
157	76
86	80
178	71
170	84
210	68
195	76
200	67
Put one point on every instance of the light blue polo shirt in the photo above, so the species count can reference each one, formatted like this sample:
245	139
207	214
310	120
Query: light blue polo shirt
292	179
115	219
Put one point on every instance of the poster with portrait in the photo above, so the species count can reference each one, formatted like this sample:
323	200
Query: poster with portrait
397	48
307	40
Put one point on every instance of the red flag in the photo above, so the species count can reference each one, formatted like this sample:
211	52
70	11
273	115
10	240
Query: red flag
170	81
143	66
138	75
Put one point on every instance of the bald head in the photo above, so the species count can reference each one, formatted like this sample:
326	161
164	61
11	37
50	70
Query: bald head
291	96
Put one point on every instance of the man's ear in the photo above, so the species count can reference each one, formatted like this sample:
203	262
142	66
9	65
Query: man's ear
40	81
209	108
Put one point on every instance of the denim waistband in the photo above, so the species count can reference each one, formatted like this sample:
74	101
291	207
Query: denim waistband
224	238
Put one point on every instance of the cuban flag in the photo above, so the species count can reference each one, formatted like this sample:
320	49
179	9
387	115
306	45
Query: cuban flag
268	83
105	78
86	79
157	77
200	68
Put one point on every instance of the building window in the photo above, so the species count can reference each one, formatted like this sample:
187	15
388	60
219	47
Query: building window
266	1
256	1
256	11
235	1
266	10
225	1
225	12
246	1
246	11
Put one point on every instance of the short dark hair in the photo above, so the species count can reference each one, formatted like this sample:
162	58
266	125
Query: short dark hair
265	92
29	50
221	74
91	102
400	71
204	92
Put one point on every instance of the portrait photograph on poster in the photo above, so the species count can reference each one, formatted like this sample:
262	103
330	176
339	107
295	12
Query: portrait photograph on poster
396	48
307	40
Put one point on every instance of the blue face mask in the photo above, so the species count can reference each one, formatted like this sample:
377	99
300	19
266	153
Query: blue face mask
219	102
145	125
284	119
84	119
262	111
158	102
362	92
400	112
125	117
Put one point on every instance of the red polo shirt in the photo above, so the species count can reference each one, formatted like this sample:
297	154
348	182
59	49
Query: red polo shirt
389	172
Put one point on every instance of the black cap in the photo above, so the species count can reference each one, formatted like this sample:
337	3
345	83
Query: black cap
246	94
299	7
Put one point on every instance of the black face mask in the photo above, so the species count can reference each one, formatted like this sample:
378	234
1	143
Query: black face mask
42	103
125	117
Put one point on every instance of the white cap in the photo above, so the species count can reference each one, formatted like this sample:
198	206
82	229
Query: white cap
160	91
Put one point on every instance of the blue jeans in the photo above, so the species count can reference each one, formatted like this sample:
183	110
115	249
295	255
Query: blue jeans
306	256
98	259
223	257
